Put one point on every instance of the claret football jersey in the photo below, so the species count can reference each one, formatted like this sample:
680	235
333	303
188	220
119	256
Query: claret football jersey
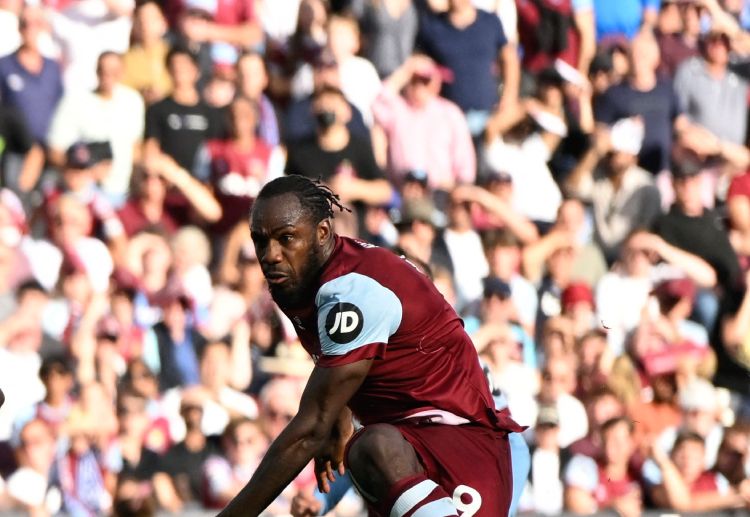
372	304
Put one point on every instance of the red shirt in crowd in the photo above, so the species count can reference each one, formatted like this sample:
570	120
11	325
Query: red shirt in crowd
236	177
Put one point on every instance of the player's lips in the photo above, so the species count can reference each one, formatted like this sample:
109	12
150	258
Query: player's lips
276	278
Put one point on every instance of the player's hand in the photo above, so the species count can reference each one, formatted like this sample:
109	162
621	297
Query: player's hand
332	458
304	504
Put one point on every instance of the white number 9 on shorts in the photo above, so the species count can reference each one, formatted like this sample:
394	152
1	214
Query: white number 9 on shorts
461	494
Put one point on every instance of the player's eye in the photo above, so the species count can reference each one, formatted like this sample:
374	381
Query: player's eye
286	238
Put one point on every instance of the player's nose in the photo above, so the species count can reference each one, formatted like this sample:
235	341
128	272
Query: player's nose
272	253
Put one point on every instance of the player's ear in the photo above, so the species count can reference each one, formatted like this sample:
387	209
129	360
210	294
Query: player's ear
324	230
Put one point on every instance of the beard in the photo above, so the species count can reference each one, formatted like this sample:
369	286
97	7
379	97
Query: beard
299	290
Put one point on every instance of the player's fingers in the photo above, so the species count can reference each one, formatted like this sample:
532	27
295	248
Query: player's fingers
329	472
342	468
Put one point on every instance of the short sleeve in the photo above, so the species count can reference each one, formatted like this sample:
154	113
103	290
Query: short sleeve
153	122
500	38
582	5
356	317
605	110
652	4
582	473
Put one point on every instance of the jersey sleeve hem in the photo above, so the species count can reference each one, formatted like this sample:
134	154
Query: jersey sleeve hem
370	351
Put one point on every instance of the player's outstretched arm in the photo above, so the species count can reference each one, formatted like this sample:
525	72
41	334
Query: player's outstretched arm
327	392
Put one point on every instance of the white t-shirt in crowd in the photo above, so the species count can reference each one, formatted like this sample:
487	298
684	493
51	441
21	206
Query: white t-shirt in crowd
469	264
535	193
82	115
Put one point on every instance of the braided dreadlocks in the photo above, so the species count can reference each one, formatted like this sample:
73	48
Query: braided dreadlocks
314	196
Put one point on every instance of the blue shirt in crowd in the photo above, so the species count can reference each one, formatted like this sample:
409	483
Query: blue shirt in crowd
34	95
620	17
658	107
471	54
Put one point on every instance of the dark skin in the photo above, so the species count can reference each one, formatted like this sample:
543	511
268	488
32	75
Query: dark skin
291	249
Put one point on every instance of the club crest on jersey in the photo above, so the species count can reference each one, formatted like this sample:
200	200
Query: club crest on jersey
344	322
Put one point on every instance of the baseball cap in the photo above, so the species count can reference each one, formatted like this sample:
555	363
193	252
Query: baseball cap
548	416
84	155
627	135
422	209
698	395
494	286
674	289
416	176
577	292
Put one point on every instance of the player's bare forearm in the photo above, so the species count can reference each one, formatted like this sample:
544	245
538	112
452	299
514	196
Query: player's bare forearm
286	457
326	394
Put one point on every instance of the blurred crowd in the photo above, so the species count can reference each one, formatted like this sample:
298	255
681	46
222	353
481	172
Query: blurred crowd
573	174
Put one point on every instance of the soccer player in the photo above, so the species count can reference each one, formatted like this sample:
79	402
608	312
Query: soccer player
389	350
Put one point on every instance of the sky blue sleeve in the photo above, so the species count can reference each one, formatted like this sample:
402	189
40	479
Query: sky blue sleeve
355	311
582	5
339	488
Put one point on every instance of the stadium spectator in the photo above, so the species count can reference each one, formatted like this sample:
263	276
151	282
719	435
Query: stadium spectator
464	247
557	387
389	30
29	81
678	32
419	235
422	130
358	79
623	196
679	226
623	19
178	124
299	121
85	31
31	488
183	463
145	66
500	345
110	113
469	42
164	196
341	159
602	405
520	144
56	373
556	30
172	346
644	94
544	491
238	166
18	143
503	251
252	82
225	28
243	445
608	481
81	472
686	485
84	163
711	94
699	407
645	258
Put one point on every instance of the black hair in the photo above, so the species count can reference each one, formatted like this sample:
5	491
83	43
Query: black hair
329	90
614	422
314	196
180	50
687	436
28	286
104	55
57	362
